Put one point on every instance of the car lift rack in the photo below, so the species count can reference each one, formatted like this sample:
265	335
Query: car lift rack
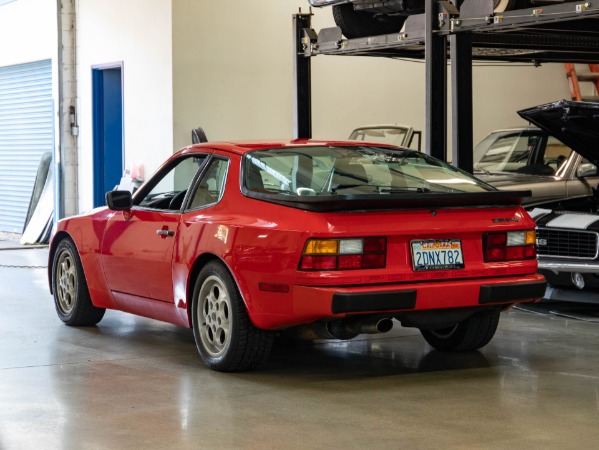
563	32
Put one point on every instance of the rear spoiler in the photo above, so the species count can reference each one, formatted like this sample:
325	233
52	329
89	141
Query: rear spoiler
338	203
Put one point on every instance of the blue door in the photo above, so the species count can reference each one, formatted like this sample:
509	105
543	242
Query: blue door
108	130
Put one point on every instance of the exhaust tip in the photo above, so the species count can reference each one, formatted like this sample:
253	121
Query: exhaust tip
384	325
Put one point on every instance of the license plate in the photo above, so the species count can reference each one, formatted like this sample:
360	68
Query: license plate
437	254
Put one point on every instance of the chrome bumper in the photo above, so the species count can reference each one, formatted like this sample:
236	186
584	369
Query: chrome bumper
557	266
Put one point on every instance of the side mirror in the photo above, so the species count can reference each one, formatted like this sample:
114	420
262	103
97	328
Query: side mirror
119	200
586	170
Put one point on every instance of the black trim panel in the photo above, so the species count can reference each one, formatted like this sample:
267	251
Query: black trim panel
510	292
367	202
374	301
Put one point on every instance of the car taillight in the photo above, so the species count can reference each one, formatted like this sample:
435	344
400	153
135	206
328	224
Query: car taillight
344	254
510	246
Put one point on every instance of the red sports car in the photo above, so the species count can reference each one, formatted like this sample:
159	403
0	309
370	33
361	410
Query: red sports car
244	241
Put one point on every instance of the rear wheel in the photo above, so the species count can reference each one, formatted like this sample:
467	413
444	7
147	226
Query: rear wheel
471	334
225	337
71	296
356	24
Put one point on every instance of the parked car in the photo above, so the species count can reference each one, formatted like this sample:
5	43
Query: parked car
240	241
568	229
400	135
532	158
360	18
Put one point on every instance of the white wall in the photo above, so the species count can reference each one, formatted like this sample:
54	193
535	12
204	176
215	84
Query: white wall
138	34
232	68
233	76
28	32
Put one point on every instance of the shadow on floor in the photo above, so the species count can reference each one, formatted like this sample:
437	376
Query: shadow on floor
587	312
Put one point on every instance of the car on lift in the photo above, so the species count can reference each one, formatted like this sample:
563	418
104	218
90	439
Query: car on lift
243	241
534	159
360	18
568	229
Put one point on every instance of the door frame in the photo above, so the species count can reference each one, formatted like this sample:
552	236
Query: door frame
98	127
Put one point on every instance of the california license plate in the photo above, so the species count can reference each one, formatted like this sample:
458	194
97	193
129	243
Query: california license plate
437	254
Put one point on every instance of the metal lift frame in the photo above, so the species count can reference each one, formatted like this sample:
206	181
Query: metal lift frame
567	32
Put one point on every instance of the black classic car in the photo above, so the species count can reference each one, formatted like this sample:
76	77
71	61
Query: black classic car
568	229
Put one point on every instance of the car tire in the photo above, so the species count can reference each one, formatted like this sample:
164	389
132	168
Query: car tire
225	337
470	334
356	24
71	295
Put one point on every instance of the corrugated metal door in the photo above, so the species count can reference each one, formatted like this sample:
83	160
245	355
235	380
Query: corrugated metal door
26	131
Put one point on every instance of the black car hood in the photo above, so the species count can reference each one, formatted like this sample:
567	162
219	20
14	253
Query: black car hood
576	124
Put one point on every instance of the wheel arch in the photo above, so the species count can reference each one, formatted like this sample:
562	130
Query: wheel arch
200	262
57	239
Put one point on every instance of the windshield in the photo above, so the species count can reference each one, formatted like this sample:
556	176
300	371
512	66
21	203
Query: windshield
366	170
383	135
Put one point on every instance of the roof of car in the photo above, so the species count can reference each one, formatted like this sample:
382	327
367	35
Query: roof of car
242	147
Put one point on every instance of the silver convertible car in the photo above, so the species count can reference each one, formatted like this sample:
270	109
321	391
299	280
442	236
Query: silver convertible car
534	159
568	229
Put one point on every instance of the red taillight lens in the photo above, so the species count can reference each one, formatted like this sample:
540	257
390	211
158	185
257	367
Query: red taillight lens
530	252
495	254
510	246
375	245
373	261
497	239
319	263
512	253
350	261
344	254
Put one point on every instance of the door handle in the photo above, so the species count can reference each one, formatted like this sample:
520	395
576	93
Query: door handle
167	233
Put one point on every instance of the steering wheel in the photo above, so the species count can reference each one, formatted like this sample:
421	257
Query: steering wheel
177	200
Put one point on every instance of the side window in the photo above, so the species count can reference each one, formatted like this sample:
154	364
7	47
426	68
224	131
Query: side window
168	191
211	186
556	153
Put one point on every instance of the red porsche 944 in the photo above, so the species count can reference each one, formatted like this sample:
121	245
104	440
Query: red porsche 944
245	241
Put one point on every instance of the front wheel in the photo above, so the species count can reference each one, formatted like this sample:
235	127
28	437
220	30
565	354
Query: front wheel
470	334
71	296
225	337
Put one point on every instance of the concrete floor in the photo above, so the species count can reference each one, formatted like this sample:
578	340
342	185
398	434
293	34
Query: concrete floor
136	383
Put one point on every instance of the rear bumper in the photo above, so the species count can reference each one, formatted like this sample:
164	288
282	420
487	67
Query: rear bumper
314	303
511	292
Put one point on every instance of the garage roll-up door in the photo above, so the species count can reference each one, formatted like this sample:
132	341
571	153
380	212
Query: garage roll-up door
26	131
